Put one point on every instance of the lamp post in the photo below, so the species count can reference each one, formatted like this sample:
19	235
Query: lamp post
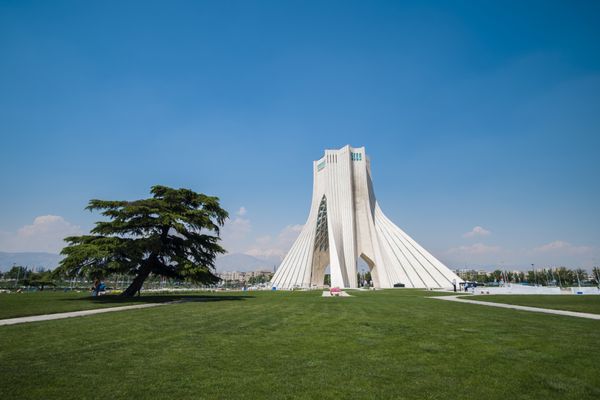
18	274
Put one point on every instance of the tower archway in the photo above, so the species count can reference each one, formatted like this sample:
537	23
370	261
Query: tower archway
321	246
374	281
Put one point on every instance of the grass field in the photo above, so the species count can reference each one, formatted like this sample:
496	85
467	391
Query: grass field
261	345
580	303
48	302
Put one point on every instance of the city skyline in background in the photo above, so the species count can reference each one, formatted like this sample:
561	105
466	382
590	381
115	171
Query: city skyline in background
481	120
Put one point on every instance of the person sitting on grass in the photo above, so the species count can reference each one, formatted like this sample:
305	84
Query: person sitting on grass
98	287
95	287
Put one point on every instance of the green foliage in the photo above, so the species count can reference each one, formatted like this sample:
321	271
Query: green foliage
39	279
263	278
175	233
16	272
560	276
497	275
596	275
22	276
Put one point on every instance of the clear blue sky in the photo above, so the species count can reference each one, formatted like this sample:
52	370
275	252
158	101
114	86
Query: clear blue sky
475	114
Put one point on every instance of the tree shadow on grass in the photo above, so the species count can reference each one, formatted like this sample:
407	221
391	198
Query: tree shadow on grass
167	298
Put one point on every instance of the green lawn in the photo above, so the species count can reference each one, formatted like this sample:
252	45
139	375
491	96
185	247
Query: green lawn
48	302
581	303
261	345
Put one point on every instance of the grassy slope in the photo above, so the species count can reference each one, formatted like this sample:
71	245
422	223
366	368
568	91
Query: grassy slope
47	302
580	303
385	344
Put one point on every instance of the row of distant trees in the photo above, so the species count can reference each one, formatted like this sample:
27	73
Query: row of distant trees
23	276
259	279
560	276
20	276
251	281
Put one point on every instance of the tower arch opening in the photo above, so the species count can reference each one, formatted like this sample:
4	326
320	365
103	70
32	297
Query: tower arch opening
366	279
321	246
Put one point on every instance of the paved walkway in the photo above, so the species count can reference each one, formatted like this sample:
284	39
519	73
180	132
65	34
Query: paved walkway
522	308
83	313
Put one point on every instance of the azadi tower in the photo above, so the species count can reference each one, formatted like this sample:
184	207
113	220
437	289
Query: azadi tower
346	222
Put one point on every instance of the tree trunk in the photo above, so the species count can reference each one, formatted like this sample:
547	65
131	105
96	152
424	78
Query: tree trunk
138	281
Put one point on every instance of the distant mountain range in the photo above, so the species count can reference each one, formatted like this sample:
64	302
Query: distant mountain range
229	262
30	259
245	263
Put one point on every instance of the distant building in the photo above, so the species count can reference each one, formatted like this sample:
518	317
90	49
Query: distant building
242	276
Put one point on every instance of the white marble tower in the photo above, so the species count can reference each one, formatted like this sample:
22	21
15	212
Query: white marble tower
345	223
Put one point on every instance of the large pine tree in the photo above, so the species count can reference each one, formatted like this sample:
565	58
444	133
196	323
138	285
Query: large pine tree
175	233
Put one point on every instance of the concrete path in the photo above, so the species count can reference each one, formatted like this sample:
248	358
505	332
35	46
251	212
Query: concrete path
83	313
522	308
